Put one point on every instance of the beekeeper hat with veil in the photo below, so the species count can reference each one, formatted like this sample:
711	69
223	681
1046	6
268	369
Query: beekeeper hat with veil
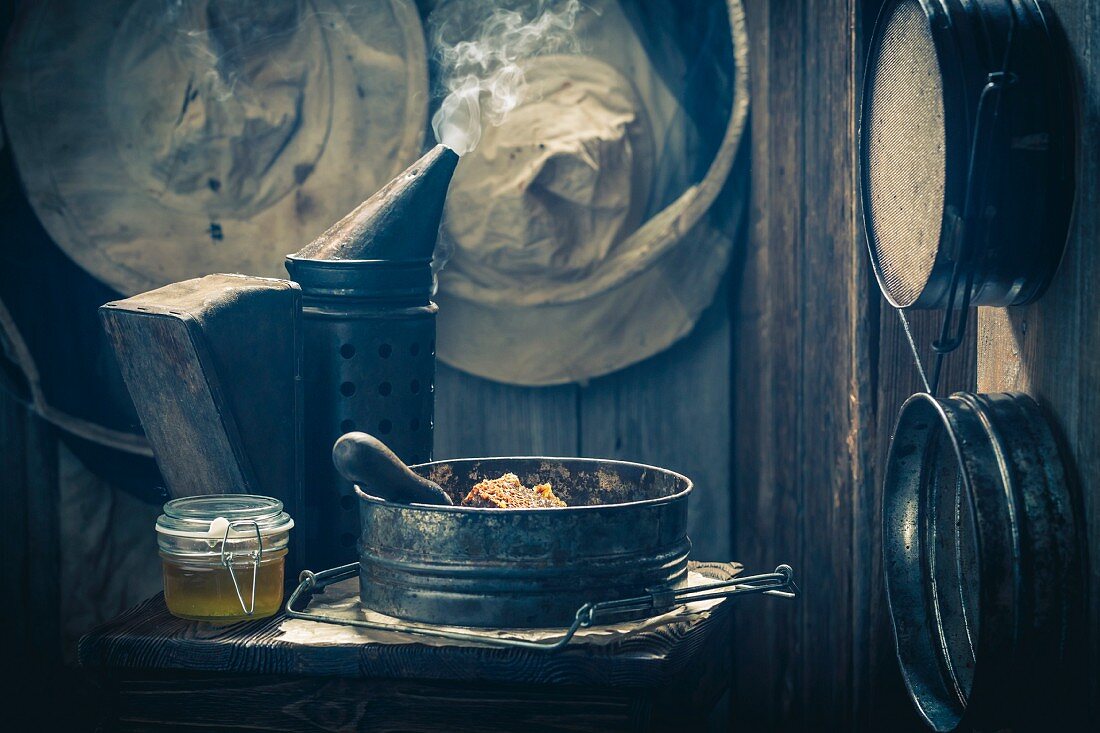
581	233
158	141
162	140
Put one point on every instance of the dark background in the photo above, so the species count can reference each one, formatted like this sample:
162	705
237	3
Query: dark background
780	404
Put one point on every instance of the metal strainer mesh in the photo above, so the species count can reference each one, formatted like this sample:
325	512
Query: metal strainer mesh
905	153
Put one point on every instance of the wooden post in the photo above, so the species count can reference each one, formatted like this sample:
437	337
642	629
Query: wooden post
803	382
821	368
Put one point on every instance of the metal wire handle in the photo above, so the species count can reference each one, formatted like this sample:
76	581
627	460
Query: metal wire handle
778	583
256	557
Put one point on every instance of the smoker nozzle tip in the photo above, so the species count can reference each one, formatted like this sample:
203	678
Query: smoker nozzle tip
399	222
447	151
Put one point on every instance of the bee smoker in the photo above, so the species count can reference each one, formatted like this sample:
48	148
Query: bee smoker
368	341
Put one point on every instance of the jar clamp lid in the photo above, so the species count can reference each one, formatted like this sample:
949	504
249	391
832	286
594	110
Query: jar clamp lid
194	516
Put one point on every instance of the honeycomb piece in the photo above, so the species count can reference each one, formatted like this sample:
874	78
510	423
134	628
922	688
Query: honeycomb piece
507	492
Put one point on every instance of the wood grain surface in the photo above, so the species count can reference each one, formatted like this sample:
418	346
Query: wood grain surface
821	367
156	670
148	638
673	411
802	382
1051	349
235	704
182	403
213	366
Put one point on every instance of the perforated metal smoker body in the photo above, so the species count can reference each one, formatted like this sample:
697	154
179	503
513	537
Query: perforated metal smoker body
369	364
369	340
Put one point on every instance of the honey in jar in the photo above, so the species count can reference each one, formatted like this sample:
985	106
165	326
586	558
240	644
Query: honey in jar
223	556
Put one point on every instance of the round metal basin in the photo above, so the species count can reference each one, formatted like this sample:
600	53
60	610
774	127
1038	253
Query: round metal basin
624	531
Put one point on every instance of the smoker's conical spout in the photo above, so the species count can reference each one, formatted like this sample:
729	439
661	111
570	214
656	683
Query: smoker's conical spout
399	222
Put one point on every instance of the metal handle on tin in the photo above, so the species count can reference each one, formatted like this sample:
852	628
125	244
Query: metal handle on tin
256	557
778	583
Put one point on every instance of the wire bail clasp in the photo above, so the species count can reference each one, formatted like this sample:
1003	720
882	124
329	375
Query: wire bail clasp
255	556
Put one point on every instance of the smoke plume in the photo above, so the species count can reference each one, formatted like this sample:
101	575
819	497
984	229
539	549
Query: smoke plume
479	49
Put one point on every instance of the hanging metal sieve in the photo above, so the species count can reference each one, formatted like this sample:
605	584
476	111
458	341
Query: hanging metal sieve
966	158
966	153
980	549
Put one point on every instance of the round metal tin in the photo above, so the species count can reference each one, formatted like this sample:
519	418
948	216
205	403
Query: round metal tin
980	550
624	532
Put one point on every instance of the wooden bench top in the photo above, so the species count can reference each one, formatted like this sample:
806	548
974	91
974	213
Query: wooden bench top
632	654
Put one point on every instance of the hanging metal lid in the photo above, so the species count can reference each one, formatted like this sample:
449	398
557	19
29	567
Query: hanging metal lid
966	153
980	549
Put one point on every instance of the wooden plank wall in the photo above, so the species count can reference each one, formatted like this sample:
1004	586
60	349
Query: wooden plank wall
802	382
1051	349
821	368
801	379
30	567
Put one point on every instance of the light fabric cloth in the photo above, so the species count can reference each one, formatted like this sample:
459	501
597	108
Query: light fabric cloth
567	260
546	197
163	141
341	601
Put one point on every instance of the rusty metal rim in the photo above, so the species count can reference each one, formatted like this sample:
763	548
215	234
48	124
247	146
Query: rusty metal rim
461	568
779	583
1022	515
442	572
556	510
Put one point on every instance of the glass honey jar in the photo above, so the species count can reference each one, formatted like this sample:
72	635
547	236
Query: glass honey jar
223	556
